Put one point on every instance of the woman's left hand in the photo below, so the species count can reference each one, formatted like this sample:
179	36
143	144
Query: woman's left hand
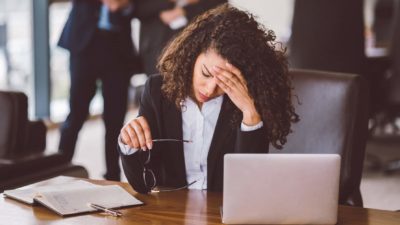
231	81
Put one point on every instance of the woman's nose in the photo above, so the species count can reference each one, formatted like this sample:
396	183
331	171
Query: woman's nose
211	87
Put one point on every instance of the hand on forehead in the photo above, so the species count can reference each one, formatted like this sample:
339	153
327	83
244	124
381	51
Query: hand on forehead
213	60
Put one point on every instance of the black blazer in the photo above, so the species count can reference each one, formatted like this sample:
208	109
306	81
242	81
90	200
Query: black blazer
81	27
167	159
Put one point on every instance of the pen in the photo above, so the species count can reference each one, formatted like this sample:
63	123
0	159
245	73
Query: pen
104	209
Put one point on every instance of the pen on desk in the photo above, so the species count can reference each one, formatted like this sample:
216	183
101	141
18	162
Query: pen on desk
106	210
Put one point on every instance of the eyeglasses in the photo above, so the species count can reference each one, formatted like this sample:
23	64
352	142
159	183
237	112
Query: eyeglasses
149	177
171	139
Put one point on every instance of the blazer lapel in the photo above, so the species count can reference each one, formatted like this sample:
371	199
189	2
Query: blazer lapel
222	129
172	118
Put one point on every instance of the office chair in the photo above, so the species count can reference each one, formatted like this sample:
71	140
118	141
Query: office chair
333	119
393	94
328	35
22	145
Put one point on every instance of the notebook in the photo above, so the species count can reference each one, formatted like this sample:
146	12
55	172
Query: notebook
68	197
280	188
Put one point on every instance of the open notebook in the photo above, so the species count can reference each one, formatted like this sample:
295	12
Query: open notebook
67	197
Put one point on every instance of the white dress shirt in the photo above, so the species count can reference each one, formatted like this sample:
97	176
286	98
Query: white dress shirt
197	126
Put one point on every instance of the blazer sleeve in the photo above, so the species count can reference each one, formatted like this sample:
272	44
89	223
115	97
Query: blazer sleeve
133	164
255	141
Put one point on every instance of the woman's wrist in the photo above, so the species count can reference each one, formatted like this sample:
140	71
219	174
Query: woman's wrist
251	117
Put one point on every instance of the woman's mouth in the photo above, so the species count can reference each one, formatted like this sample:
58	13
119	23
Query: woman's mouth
203	98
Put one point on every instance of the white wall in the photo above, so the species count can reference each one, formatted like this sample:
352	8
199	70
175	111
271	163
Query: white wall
274	14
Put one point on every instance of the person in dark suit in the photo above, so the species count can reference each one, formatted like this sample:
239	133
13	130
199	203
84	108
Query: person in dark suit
98	37
223	88
383	21
160	21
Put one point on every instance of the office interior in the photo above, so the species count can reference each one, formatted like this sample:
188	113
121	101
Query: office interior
32	63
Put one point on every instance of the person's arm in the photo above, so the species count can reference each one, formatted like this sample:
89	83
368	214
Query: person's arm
251	139
133	163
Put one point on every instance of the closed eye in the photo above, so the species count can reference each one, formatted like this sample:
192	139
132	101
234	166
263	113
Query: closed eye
206	73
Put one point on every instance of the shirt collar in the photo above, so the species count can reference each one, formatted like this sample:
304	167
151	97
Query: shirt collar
215	101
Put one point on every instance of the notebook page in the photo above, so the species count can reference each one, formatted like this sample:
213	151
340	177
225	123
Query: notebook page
67	202
27	193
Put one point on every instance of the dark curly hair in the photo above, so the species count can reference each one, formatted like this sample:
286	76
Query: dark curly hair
243	42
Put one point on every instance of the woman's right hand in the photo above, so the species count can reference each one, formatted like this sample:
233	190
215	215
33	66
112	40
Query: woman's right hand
136	134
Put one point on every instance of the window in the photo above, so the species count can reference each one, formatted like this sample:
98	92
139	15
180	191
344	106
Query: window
16	67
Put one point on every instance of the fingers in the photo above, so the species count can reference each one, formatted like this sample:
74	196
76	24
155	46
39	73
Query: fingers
223	81
237	72
233	74
229	79
233	84
137	134
129	137
126	138
147	134
223	86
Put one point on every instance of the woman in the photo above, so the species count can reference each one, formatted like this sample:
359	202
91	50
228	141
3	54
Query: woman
224	88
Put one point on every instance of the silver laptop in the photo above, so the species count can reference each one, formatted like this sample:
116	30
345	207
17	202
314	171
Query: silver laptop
280	188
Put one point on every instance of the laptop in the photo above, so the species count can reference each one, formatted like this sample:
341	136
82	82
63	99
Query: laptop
280	188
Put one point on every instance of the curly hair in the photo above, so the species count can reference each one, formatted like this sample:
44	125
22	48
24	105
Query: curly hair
237	37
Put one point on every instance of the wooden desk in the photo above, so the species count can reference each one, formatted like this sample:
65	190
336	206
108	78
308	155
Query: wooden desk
180	207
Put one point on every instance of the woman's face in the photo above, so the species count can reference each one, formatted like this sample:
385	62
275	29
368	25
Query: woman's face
204	82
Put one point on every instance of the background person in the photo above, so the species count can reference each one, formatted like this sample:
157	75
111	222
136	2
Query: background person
98	37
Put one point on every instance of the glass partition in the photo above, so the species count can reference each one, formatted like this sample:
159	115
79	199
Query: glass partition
16	66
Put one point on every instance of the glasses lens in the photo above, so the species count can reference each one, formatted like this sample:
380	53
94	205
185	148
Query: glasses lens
149	178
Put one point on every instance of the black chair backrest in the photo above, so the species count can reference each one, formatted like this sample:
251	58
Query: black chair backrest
333	119
19	137
13	123
328	35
